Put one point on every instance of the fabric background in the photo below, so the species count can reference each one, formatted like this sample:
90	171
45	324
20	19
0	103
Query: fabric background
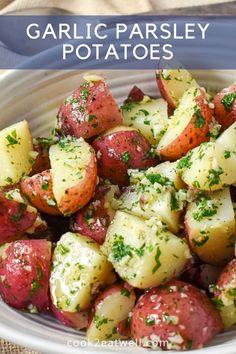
90	7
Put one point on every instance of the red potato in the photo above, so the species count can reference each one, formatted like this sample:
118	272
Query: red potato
225	294
77	320
202	275
89	111
15	219
225	106
188	127
74	174
175	316
94	219
38	190
42	162
173	83
120	149
135	94
24	274
109	316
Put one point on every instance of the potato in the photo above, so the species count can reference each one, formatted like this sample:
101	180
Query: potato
42	162
74	174
77	320
210	227
135	94
225	106
143	252
24	274
118	150
173	83
153	194
202	275
16	151
166	169
107	318
188	127
225	294
148	116
208	167
175	316
79	271
94	219
15	217
89	110
38	190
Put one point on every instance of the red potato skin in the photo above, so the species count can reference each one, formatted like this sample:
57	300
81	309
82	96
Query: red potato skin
77	197
202	275
123	326
94	219
24	274
191	136
93	112
227	276
223	116
197	320
111	148
42	161
135	95
161	83
77	320
14	219
37	190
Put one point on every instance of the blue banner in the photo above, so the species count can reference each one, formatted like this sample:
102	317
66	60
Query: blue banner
117	42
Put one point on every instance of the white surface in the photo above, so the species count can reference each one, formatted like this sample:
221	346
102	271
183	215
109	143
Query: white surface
36	96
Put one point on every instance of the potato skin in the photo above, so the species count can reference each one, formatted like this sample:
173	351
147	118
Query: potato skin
42	161
77	320
191	136
119	150
79	195
90	110
225	295
25	268
178	313
15	219
38	190
94	219
225	114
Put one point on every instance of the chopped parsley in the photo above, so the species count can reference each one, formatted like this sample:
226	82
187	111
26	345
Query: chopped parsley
199	121
205	209
120	250
227	154
63	249
157	260
85	94
185	162
150	321
228	100
157	178
19	215
99	321
202	242
214	176
12	138
125	157
146	113
125	292
128	106
174	203
9	180
45	185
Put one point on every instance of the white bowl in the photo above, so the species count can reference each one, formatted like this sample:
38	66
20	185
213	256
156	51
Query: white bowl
36	96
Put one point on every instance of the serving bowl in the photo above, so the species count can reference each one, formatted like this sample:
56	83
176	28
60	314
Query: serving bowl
36	96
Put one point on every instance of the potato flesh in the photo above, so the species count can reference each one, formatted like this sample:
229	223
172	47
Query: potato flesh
79	269
210	168
148	200
69	160
107	316
177	81
149	117
181	117
16	147
142	252
212	238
